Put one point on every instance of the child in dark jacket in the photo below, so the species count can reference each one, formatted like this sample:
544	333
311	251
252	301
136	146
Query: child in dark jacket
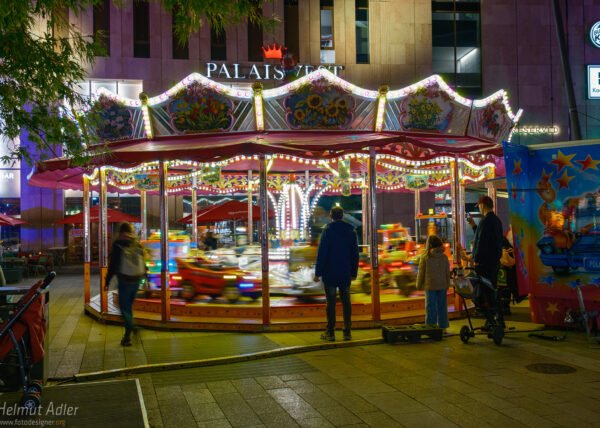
434	278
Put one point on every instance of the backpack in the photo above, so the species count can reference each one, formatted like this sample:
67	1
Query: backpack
132	261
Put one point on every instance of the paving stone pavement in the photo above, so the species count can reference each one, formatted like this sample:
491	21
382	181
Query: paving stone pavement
429	384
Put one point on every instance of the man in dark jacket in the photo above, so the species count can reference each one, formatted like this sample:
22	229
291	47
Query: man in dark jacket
487	245
337	266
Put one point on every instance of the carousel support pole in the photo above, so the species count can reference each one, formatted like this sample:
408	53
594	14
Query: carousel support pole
455	194
144	214
456	225
87	242
165	296
195	214
307	234
249	229
264	240
417	212
373	238
365	212
103	241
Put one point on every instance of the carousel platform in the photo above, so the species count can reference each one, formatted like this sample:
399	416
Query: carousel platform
248	317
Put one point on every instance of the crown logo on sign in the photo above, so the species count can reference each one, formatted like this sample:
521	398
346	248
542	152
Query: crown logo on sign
273	51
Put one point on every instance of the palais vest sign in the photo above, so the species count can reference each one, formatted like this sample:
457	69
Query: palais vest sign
260	71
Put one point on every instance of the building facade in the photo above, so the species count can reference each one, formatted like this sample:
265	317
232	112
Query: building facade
477	46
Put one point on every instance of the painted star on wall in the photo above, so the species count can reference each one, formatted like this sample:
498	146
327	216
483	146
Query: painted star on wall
595	281
574	284
517	169
588	162
548	280
562	160
564	180
552	308
546	177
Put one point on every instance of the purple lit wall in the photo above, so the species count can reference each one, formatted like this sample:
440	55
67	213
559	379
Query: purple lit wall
39	208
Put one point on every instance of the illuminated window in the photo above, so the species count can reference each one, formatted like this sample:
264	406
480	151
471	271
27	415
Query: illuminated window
456	53
101	29
362	31
141	29
327	32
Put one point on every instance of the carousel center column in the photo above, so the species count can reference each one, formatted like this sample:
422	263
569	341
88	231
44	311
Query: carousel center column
372	197
87	247
103	241
264	239
165	292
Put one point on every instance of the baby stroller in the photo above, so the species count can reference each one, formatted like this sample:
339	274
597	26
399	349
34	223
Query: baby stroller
485	297
22	344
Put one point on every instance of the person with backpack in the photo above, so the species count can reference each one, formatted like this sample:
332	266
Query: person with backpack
127	263
434	277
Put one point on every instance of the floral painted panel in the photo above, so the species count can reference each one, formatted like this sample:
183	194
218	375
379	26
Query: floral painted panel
491	122
319	105
198	108
427	109
115	119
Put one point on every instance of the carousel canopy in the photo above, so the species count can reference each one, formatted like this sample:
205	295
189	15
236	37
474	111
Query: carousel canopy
211	135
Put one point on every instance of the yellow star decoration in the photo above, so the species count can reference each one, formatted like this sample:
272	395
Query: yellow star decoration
588	162
552	308
564	180
562	160
517	170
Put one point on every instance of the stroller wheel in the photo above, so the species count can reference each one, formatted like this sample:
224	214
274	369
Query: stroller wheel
34	387
498	335
30	401
465	333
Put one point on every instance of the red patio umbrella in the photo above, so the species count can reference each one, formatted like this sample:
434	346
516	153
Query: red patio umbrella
6	220
114	216
230	210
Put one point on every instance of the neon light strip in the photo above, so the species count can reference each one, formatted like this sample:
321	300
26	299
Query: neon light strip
127	101
197	77
316	75
400	93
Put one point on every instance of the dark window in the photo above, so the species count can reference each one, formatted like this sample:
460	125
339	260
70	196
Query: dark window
362	31
141	29
291	27
456	53
218	45
102	25
255	40
180	50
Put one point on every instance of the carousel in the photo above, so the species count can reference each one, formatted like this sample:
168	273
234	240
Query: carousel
282	149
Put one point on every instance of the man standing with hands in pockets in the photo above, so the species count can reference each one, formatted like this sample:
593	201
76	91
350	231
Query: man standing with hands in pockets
337	266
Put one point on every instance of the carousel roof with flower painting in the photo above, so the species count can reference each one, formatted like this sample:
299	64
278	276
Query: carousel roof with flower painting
319	123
